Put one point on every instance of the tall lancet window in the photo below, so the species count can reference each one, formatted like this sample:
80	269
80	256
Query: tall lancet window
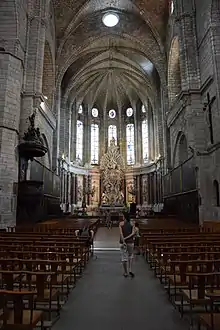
94	144
130	144
112	133
145	141
79	140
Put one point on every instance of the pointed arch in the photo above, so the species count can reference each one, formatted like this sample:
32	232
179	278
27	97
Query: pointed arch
46	160
174	73
181	150
216	193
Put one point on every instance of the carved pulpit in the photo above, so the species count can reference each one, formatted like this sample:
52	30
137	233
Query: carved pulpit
112	170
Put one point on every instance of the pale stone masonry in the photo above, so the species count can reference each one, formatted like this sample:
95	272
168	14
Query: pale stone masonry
56	55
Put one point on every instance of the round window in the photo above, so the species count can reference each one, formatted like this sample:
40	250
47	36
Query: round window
110	19
95	112
129	112
112	114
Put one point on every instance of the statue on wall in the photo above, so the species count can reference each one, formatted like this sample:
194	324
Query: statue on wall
112	167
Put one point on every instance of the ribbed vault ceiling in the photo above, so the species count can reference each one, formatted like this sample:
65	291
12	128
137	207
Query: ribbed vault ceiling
110	67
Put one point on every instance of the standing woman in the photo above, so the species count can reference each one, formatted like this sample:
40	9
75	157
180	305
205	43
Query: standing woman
137	238
127	233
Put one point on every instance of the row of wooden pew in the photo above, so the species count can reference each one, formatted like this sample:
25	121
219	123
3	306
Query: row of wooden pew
39	266
186	260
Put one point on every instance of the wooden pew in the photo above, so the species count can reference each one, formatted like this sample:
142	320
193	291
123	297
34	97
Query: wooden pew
45	260
184	260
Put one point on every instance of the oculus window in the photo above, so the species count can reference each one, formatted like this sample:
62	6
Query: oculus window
94	144
79	140
129	112
130	144
110	19
95	112
112	133
112	114
145	140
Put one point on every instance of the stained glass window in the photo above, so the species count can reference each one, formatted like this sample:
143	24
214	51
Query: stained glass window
80	109
130	144
143	109
171	7
145	140
129	112
112	114
95	112
112	133
79	140
94	144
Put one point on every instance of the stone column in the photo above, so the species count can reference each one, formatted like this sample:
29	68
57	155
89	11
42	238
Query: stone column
62	134
138	136
56	135
86	138
189	62
73	146
136	122
33	69
11	74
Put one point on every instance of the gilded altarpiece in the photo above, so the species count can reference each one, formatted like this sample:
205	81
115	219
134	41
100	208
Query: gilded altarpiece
130	190
145	189
95	198
112	175
79	198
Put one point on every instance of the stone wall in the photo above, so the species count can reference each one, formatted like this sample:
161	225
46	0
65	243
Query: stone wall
11	74
186	116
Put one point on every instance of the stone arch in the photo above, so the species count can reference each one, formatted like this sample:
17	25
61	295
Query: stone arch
181	150
141	45
174	73
46	160
48	82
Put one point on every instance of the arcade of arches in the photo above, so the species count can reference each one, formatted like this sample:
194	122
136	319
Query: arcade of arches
70	83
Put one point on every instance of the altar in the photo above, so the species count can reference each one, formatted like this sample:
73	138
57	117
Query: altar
112	168
116	209
112	212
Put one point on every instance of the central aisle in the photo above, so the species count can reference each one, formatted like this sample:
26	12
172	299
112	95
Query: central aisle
104	299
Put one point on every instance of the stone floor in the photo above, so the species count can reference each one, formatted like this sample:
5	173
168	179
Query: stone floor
104	299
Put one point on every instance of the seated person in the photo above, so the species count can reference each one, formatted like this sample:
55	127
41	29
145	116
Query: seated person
85	232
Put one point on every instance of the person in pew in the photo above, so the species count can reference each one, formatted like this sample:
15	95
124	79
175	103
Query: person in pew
127	234
86	232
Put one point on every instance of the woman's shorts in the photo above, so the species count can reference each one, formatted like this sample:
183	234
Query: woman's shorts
126	252
136	241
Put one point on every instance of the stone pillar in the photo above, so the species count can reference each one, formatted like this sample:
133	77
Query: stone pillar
62	135
136	140
75	189
74	120
138	131
56	135
189	63
86	138
215	47
11	74
34	68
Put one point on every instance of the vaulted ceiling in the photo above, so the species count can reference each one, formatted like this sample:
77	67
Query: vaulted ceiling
111	67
